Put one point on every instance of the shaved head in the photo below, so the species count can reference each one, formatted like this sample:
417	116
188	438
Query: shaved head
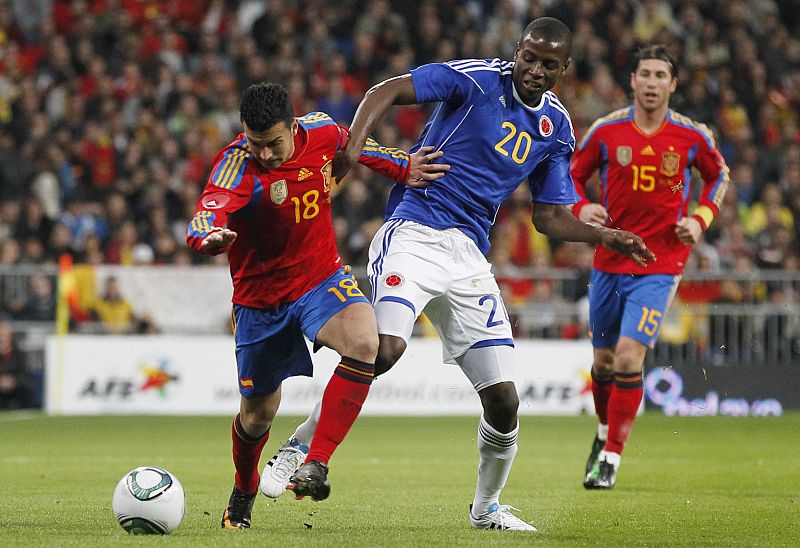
550	30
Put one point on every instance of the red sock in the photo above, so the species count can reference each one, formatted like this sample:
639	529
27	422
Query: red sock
601	391
341	404
246	452
622	407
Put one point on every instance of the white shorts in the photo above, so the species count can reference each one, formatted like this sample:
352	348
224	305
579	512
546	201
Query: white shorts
443	273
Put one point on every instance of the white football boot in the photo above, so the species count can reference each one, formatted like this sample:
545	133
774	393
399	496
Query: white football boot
281	467
499	516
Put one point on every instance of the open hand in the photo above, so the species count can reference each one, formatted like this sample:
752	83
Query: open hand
688	230
422	171
341	166
218	240
593	213
628	244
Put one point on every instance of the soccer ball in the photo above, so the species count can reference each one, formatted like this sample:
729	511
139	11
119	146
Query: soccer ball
149	501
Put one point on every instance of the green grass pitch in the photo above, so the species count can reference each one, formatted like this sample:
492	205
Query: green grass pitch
408	482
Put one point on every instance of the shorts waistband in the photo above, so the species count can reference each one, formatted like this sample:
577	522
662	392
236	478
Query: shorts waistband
452	231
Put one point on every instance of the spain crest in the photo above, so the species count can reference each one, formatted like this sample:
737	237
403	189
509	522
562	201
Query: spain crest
278	192
670	163
326	175
624	155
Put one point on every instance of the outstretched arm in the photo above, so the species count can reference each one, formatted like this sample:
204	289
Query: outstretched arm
415	170
588	158
394	91
225	193
555	221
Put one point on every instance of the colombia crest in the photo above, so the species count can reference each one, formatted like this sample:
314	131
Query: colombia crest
545	126
393	279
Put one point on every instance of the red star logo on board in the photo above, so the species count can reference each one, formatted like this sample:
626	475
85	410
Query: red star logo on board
157	378
587	384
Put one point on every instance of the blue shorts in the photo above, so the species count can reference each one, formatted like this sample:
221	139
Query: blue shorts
269	341
633	306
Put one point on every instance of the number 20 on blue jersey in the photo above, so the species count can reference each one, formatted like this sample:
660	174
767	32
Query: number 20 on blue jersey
522	144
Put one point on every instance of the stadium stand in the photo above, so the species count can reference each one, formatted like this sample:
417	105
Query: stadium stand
111	111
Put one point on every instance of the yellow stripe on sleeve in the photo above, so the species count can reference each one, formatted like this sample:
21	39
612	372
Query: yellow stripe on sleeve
227	181
705	213
231	166
225	167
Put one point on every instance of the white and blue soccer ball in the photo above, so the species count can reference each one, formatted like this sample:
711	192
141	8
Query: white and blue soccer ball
149	501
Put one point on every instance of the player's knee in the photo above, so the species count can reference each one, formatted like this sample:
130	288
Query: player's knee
390	350
363	345
628	362
629	356
500	405
603	364
381	365
602	370
256	413
256	421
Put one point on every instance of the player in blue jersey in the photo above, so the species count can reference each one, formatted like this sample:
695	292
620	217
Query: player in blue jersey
498	123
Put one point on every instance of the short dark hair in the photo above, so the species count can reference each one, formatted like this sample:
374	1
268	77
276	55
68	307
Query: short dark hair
551	30
264	105
656	51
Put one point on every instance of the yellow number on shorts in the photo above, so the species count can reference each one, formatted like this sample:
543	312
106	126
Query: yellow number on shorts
350	286
649	321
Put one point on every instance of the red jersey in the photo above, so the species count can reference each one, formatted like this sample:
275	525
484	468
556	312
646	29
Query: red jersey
285	244
646	184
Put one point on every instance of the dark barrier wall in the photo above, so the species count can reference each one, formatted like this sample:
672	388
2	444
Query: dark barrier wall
734	391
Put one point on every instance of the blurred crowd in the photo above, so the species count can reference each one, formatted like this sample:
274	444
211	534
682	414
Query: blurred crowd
111	112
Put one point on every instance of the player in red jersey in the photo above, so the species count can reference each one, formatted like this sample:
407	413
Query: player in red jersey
267	203
645	154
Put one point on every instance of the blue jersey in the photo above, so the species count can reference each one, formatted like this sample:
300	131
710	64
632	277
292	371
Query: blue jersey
492	141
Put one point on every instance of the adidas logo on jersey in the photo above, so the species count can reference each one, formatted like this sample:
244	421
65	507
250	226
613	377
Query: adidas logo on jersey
304	174
503	100
648	151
